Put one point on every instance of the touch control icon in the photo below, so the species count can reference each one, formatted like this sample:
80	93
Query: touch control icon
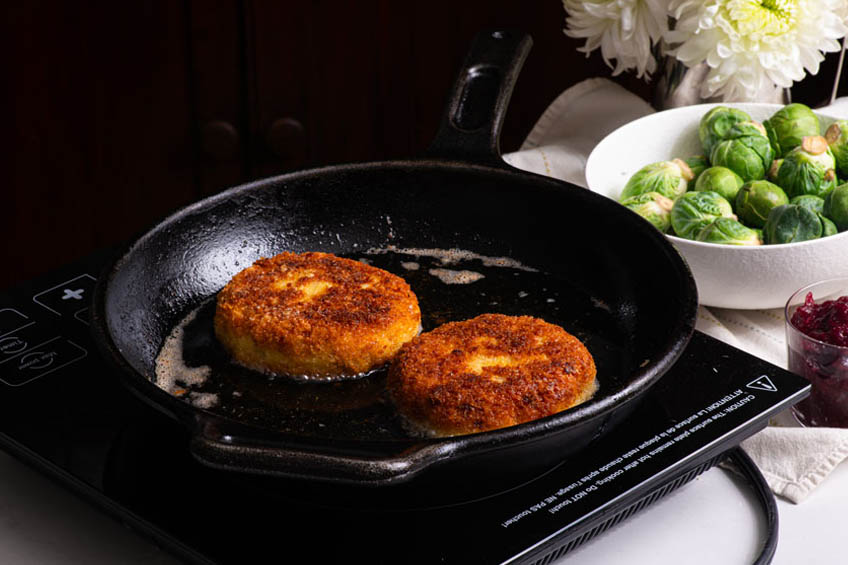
67	298
40	360
35	360
19	340
11	345
72	294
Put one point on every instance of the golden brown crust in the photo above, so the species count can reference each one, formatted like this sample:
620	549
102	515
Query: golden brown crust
489	372
315	314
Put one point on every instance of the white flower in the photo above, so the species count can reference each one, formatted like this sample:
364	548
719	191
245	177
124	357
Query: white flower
625	30
750	45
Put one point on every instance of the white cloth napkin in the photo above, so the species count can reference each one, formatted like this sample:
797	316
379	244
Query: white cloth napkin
794	460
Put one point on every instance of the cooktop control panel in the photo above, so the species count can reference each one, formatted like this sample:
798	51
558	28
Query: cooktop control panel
47	332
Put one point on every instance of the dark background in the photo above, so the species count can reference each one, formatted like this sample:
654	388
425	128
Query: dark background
121	112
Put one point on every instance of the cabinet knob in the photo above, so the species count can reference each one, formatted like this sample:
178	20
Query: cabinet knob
286	139
219	140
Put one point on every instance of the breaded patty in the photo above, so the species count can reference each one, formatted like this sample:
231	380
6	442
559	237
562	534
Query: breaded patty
315	315
489	372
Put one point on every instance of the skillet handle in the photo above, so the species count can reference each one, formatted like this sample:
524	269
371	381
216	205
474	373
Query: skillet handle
470	129
220	450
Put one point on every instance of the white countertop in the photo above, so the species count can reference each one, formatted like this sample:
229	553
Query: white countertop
714	519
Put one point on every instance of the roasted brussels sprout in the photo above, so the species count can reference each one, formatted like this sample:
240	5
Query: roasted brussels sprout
697	164
652	206
836	206
746	150
695	210
729	232
669	178
772	173
756	199
814	203
808	169
828	227
721	180
837	138
716	123
790	223
789	125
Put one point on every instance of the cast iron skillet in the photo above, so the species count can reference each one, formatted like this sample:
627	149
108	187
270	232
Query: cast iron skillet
583	262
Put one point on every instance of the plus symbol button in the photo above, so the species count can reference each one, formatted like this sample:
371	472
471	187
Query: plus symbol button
67	298
73	294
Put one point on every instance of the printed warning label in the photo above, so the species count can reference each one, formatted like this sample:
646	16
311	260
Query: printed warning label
618	467
762	383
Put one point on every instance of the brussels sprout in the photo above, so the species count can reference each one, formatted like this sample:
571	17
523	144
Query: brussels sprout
729	232
721	180
828	227
790	223
746	151
755	200
772	173
716	123
814	203
698	164
695	210
748	127
669	178
808	169
837	138
836	206
652	206
789	125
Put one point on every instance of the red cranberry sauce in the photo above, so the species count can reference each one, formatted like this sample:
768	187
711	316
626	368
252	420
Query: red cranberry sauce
827	322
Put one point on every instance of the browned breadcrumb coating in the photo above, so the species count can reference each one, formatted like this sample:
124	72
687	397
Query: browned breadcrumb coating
489	372
316	315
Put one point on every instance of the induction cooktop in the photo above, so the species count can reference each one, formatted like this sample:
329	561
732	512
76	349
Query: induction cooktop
63	411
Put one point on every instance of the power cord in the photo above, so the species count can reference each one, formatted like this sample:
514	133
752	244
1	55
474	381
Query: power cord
749	470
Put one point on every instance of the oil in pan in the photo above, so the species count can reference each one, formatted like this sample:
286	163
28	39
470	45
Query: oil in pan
451	285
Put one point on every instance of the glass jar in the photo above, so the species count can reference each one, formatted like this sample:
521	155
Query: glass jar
823	364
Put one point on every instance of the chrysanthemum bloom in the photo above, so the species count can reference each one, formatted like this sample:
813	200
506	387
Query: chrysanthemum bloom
625	30
752	45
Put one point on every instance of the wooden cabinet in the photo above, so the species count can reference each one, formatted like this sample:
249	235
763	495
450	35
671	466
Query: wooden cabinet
122	112
101	125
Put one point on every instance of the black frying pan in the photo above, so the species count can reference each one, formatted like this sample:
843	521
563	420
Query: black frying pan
580	260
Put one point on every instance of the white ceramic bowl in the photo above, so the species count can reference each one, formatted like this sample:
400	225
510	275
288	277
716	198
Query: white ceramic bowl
727	276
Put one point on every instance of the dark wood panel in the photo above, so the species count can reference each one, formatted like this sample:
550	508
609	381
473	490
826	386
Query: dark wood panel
278	46
99	126
121	112
369	80
216	72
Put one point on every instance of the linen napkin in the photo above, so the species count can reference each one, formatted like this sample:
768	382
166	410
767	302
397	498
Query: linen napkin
793	459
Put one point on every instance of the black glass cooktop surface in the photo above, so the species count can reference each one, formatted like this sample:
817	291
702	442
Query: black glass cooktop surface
63	411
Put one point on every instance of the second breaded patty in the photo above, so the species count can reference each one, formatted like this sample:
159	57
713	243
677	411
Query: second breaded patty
315	315
489	372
